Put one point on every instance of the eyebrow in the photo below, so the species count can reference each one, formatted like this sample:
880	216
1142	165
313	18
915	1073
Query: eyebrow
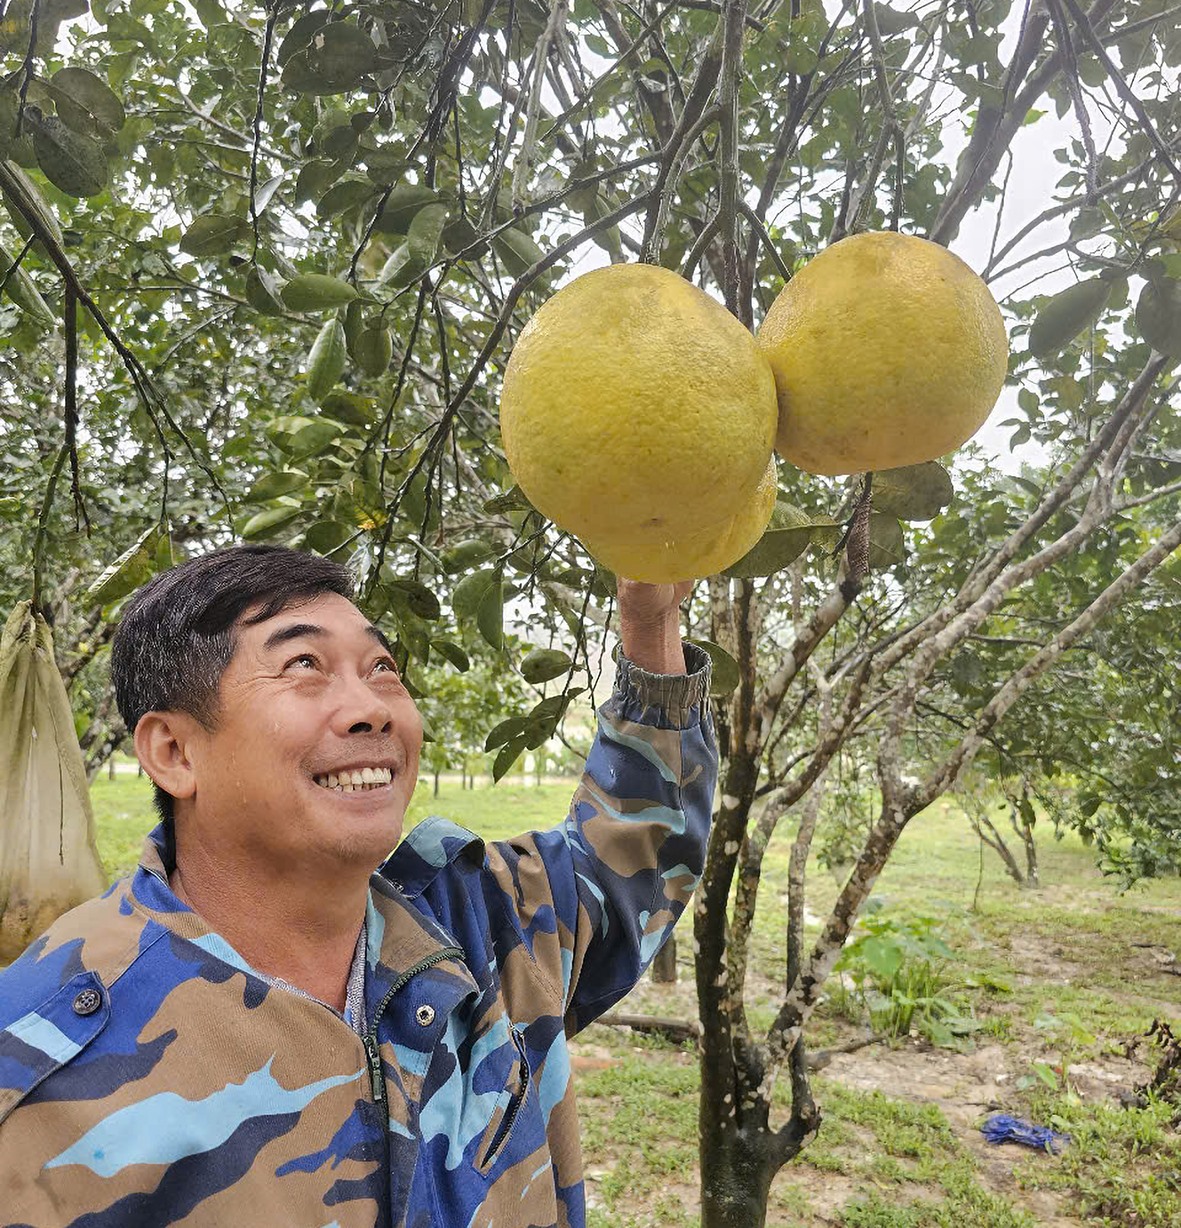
299	631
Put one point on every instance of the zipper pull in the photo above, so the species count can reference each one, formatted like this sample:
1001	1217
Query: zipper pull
376	1077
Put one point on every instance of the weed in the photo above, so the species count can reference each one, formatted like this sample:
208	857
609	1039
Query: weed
1123	1164
875	1212
899	967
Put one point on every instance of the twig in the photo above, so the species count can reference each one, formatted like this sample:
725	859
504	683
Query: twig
1074	89
39	538
1124	90
27	67
263	65
71	403
149	395
733	13
524	164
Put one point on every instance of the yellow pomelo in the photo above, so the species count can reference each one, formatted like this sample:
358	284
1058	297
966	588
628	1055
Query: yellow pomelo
661	559
634	400
887	351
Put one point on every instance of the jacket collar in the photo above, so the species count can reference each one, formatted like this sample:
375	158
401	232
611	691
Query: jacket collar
398	936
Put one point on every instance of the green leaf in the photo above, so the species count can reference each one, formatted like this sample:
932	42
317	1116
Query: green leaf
272	485
401	269
490	615
348	407
312	439
1066	315
23	191
422	239
300	34
544	664
131	569
374	351
402	206
334	61
913	492
86	103
725	676
887	547
508	755
326	536
517	251
511	500
317	292
505	731
263	291
790	533
466	554
452	652
1158	315
316	177
19	287
73	163
327	359
214	234
264	191
469	592
882	955
346	194
269	521
418	599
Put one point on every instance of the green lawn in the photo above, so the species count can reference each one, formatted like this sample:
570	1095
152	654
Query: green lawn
1057	985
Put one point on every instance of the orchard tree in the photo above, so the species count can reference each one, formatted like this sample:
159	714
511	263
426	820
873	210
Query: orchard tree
265	266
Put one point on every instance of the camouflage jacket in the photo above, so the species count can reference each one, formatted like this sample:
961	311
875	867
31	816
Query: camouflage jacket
149	1076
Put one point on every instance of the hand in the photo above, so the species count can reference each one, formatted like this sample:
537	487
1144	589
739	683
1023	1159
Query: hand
649	626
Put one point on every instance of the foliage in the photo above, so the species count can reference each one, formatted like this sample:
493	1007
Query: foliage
902	971
286	251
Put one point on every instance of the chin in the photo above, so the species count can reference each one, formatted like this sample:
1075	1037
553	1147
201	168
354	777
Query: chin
367	845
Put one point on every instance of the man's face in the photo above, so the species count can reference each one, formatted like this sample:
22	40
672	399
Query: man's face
310	703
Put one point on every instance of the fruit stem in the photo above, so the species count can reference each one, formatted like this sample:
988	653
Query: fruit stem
857	543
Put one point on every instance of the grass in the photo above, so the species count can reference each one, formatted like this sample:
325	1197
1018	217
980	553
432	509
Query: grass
1053	978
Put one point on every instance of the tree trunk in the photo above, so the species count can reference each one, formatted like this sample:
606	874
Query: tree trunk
664	966
436	782
111	768
737	1166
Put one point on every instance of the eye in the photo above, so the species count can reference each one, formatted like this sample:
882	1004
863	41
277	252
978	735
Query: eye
386	666
304	658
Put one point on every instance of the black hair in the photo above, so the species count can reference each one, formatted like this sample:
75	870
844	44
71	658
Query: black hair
177	634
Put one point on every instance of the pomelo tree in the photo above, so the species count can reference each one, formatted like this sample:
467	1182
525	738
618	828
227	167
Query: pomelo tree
265	265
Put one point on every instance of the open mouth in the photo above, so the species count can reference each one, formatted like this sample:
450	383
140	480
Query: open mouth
356	780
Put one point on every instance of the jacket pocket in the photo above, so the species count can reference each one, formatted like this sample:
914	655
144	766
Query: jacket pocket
508	1107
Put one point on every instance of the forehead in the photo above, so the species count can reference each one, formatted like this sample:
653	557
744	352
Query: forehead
327	616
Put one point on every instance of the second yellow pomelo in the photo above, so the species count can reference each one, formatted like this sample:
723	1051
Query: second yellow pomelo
888	350
660	559
635	403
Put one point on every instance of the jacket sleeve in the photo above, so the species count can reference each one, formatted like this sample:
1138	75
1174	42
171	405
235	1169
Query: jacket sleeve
594	899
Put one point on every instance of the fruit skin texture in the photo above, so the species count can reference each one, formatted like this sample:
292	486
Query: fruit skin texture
659	559
888	350
634	401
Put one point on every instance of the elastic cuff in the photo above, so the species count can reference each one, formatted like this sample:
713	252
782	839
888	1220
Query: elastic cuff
675	694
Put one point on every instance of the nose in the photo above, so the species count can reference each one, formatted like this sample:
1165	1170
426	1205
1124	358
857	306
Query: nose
362	708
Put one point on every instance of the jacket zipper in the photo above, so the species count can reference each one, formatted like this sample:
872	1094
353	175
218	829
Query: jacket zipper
369	1040
510	1118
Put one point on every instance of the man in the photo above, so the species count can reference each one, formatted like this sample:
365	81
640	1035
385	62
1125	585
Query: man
256	1027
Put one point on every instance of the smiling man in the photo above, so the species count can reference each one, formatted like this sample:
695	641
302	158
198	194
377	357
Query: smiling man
278	1020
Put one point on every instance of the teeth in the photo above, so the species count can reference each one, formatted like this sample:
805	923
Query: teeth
356	779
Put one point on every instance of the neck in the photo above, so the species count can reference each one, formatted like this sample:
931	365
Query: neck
288	924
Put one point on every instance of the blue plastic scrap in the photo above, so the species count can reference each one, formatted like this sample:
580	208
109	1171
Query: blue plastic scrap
1001	1128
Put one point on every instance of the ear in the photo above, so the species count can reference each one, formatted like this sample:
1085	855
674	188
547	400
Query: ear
162	744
